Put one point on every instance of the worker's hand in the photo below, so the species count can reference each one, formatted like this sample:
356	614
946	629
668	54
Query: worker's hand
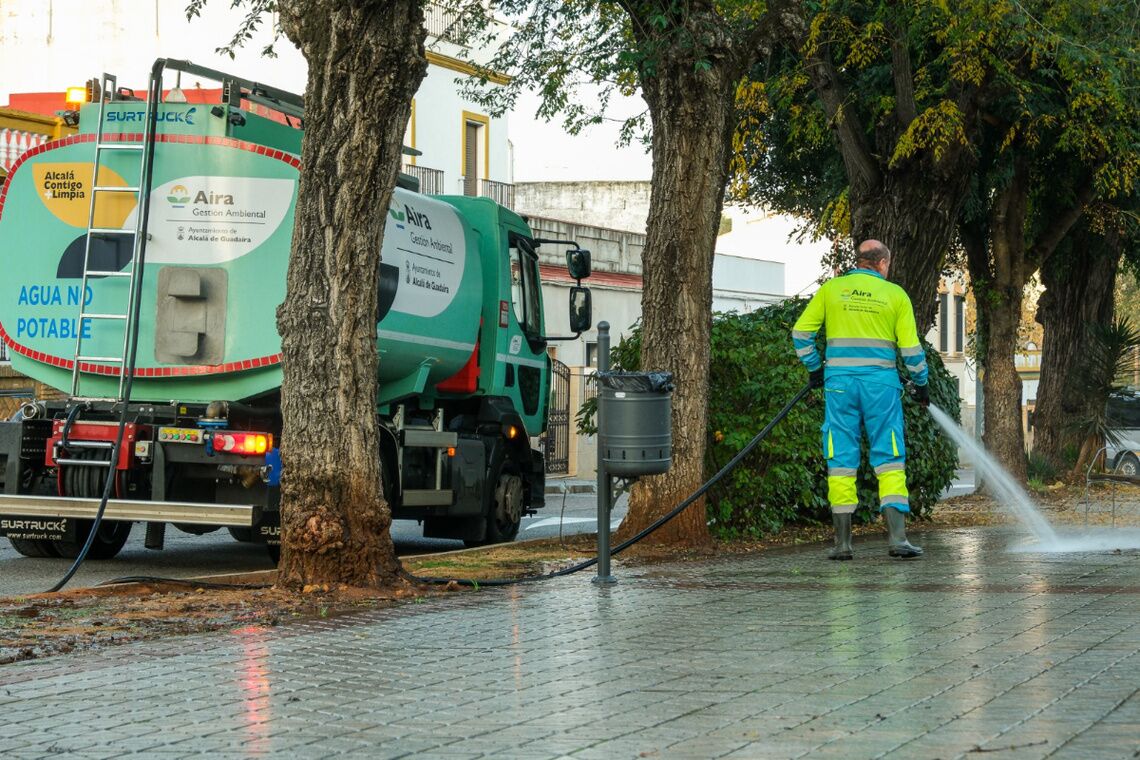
921	394
815	378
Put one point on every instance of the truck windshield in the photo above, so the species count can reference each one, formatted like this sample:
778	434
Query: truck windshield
525	287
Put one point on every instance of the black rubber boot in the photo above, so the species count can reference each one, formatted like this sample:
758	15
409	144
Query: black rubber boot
896	529
842	548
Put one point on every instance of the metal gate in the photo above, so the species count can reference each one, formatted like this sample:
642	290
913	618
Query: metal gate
556	440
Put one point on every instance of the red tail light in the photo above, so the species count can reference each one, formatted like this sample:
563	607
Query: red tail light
246	444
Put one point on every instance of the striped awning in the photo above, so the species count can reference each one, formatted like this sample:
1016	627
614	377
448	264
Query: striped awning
14	143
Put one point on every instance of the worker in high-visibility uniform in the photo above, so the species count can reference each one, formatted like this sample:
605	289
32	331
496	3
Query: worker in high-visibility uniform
866	319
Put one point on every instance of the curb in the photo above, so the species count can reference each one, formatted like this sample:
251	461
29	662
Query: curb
571	485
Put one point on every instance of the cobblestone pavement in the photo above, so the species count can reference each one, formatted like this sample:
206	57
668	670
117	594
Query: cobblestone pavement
971	650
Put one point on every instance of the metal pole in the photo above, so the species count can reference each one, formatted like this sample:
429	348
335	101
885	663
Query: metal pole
979	420
605	497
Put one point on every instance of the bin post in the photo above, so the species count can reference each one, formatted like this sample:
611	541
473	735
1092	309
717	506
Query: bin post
605	498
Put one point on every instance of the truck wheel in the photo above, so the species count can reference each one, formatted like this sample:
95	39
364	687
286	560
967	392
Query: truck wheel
1129	466
108	542
34	547
274	551
506	511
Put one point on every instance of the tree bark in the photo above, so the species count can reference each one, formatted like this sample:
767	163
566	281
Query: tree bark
914	211
999	282
366	60
1078	292
693	116
1004	436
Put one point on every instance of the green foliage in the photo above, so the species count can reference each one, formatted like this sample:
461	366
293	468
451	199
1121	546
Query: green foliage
1106	359
257	12
753	373
1039	468
1069	454
575	56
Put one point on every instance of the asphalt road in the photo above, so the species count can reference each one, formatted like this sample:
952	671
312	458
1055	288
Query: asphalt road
188	556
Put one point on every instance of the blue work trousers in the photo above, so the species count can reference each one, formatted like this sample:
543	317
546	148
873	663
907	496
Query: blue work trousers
854	403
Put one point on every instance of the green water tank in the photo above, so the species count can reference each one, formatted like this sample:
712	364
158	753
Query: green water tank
220	227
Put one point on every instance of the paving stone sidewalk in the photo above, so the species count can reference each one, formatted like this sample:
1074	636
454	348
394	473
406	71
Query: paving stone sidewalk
972	650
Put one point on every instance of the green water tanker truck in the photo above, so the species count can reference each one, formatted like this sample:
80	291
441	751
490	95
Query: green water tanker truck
182	213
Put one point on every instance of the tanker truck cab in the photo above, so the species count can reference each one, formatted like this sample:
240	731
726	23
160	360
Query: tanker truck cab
205	199
489	411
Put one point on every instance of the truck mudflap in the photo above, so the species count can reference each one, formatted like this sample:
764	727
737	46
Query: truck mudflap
536	480
267	527
22	516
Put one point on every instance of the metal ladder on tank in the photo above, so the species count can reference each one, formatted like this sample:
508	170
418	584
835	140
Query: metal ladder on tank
133	274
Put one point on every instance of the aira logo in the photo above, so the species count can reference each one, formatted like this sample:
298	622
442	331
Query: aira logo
179	196
214	199
417	218
863	293
410	215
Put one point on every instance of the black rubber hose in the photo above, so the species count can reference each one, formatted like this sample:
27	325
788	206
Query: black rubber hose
190	583
732	463
154	94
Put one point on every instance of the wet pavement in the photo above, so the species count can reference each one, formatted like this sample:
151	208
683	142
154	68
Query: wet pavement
972	650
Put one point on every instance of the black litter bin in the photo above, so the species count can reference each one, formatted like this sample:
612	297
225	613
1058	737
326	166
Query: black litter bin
635	422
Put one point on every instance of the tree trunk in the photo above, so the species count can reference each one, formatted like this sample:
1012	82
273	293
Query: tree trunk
366	60
692	113
1004	436
1078	292
914	211
1090	447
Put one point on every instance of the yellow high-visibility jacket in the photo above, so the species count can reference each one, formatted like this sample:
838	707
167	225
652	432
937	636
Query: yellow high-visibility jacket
867	319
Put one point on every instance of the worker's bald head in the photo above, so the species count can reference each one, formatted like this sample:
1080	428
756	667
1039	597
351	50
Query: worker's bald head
872	252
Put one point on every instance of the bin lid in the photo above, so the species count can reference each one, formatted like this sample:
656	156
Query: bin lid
637	382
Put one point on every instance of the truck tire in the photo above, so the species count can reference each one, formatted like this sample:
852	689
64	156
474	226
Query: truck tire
1128	466
34	547
506	510
109	541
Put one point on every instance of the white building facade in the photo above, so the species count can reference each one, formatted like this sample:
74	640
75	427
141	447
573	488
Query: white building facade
49	45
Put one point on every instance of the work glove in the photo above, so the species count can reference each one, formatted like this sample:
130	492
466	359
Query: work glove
921	394
815	378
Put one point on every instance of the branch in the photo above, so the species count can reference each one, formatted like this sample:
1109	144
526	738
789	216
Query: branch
861	167
1046	243
760	39
636	21
901	70
862	171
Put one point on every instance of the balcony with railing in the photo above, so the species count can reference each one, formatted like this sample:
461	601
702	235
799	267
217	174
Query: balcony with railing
431	180
1027	361
442	23
502	193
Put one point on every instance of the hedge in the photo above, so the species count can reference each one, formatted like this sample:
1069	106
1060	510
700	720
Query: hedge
753	373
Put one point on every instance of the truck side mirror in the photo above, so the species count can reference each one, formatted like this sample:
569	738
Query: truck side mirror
578	263
581	314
